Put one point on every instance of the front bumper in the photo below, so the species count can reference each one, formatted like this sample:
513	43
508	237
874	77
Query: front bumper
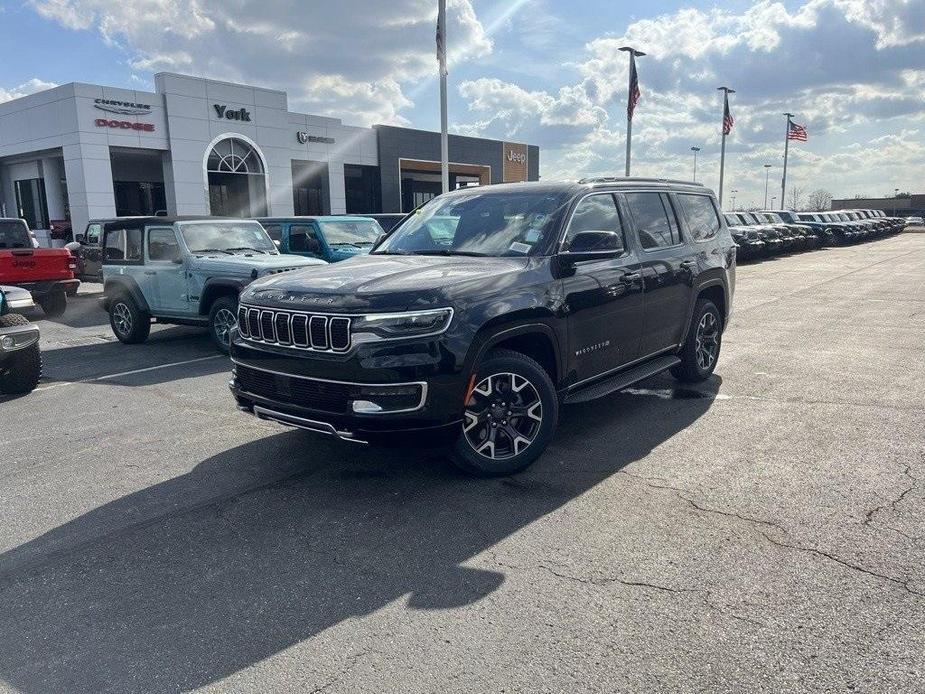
17	338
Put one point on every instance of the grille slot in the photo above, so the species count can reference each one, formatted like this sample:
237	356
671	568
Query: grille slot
304	392
315	332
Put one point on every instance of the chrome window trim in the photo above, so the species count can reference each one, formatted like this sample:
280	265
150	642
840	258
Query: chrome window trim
422	384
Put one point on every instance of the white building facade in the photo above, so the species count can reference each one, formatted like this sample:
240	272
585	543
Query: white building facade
195	146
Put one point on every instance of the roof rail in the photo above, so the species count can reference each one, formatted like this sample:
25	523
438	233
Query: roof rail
634	179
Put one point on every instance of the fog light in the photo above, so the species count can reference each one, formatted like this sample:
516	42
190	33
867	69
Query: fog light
7	342
384	399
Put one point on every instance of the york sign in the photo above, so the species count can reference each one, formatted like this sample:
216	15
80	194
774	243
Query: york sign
233	114
124	125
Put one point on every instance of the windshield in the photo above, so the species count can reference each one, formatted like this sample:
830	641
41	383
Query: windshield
14	234
732	220
226	237
479	222
360	233
773	217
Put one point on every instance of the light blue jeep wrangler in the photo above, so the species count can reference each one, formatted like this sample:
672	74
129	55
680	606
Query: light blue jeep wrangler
184	270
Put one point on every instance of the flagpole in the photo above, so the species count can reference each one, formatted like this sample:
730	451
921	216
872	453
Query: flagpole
629	100
722	150
783	180
444	120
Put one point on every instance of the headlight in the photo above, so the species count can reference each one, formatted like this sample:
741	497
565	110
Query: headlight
404	324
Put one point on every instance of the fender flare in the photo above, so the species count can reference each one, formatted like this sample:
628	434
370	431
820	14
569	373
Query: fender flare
500	333
120	284
219	285
706	284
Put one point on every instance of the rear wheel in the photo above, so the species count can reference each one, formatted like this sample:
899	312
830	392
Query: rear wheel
701	349
22	371
509	418
222	320
54	305
129	323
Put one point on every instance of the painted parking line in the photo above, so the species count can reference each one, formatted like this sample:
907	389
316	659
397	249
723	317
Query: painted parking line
109	377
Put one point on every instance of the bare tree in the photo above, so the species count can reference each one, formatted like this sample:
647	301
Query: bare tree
820	199
796	197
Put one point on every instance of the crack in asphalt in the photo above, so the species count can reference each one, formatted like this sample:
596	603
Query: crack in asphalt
907	472
847	564
352	662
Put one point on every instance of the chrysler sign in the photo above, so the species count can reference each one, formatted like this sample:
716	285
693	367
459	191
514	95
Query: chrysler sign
126	108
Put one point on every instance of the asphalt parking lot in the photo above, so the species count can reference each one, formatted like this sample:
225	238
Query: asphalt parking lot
763	533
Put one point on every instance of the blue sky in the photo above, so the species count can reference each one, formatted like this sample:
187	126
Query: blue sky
541	71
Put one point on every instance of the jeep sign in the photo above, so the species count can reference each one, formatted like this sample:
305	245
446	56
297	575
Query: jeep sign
234	114
515	163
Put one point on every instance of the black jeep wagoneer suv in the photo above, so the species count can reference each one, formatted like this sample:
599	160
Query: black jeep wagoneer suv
488	308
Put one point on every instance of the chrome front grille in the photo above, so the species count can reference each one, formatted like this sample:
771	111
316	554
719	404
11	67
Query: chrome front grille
316	332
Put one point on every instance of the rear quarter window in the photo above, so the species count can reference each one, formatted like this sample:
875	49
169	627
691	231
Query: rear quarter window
702	216
14	234
123	246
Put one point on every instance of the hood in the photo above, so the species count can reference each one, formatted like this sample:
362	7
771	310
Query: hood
388	283
246	264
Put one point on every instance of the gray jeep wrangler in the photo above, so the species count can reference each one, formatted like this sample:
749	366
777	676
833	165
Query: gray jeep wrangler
185	271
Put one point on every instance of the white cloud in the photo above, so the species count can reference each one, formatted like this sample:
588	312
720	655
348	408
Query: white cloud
24	89
353	58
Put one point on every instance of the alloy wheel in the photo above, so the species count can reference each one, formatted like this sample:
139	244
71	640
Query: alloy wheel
707	341
503	416
122	318
223	323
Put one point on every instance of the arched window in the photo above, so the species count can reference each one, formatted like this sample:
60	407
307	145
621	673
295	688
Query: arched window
234	156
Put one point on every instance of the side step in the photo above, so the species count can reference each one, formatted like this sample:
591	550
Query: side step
621	380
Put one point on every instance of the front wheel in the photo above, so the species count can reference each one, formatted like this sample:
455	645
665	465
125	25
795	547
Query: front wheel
509	418
701	349
222	320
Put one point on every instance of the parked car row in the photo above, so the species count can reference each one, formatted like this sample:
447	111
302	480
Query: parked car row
771	232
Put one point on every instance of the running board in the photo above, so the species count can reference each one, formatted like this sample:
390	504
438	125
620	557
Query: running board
621	380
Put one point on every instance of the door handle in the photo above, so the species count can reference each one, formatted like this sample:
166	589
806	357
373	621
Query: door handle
631	277
150	272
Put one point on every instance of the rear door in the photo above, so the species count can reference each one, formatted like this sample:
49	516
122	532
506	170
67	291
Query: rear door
165	272
668	268
603	297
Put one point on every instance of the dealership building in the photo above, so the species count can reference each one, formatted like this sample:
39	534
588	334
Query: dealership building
196	146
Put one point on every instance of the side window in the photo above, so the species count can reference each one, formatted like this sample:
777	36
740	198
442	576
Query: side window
702	217
93	235
274	231
162	244
123	245
302	239
652	223
595	226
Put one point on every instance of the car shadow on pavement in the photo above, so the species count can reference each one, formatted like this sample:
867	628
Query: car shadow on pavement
262	546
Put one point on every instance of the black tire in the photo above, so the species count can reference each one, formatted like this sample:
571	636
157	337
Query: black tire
219	330
54	305
129	323
704	339
21	372
501	369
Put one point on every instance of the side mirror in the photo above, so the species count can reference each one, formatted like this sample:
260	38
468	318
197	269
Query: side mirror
587	245
177	261
279	244
81	238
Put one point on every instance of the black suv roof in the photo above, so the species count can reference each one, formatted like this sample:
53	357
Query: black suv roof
140	221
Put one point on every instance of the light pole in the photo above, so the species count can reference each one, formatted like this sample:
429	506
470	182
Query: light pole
895	198
767	178
726	128
444	129
632	98
733	191
695	150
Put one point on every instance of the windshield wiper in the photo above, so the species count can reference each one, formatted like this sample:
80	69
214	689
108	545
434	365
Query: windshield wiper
247	248
446	252
349	243
212	250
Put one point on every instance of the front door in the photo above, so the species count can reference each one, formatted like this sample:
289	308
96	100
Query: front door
165	275
668	265
603	297
91	253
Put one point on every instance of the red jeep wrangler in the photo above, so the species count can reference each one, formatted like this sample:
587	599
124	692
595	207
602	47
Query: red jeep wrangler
48	273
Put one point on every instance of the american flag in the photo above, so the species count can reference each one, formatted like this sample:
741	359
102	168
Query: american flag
796	132
441	46
728	120
634	88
